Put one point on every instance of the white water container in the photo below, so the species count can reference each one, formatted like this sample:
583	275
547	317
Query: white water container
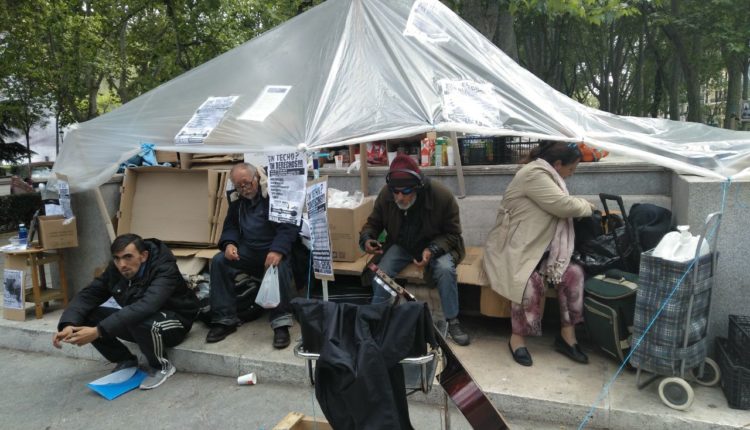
680	245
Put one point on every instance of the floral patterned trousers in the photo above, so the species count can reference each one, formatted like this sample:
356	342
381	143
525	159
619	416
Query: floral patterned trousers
526	317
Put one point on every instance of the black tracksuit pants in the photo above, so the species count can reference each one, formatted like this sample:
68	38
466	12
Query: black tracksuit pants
153	334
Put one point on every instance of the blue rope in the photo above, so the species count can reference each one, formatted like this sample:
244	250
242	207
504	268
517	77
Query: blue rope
603	393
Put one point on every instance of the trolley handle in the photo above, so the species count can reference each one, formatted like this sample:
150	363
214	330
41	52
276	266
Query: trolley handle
604	197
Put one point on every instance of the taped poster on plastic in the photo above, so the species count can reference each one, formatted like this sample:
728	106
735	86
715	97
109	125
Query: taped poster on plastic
317	214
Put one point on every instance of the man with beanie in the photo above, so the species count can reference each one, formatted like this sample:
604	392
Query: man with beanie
422	223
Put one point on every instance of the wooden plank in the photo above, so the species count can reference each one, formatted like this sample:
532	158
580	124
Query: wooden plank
364	179
298	421
105	214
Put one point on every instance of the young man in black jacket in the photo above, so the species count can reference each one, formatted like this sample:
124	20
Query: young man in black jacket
157	308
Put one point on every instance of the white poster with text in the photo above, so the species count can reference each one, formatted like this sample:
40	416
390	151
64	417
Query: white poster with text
287	177
322	258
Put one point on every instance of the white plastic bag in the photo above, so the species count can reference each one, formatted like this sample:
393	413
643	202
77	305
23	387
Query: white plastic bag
268	295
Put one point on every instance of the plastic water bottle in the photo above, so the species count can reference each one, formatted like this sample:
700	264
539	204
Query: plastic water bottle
23	233
688	244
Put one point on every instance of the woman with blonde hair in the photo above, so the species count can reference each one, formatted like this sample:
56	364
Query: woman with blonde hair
531	245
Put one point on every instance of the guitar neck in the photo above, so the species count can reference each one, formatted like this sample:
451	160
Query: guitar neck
455	379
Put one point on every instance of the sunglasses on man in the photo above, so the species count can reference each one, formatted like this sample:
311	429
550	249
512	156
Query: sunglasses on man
405	191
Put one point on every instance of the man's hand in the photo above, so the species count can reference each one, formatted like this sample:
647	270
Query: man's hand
426	256
273	259
82	335
231	253
372	246
61	336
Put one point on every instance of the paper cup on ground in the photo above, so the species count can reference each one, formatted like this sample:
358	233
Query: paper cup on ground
249	379
391	157
339	161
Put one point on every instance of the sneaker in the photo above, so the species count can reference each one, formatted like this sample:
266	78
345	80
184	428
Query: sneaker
455	332
281	338
219	331
157	377
125	364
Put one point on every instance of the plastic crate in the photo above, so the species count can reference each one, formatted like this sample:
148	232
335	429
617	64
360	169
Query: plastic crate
478	150
515	150
739	338
735	379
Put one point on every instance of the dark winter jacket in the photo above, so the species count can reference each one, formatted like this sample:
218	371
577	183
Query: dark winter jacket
283	234
159	287
359	383
437	218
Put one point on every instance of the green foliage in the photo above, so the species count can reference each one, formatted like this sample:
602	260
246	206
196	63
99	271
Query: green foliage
18	209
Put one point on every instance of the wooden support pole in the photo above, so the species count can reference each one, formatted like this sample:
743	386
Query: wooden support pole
105	214
364	183
459	166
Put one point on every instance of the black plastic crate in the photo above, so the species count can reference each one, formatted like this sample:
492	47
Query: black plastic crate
478	150
735	379
515	150
739	338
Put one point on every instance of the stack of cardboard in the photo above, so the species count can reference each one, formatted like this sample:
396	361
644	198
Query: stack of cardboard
184	208
209	161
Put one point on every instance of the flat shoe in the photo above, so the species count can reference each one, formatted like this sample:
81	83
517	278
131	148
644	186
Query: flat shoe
521	355
573	352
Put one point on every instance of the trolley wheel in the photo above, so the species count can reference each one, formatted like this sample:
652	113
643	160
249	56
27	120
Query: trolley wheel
676	393
711	373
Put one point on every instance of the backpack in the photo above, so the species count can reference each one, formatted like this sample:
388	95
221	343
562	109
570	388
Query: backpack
650	223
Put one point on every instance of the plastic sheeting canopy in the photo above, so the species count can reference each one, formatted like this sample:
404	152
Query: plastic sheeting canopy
351	71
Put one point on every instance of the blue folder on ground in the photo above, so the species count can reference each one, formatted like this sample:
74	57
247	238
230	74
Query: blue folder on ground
117	383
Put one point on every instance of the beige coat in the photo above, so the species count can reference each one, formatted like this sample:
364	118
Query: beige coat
525	225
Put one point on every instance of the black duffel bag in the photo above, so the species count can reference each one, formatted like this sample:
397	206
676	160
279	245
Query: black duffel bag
616	247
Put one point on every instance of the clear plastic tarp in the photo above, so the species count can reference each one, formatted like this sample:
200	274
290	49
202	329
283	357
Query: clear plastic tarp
351	71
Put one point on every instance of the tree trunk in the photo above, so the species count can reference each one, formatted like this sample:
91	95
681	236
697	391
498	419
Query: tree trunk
734	90
685	47
674	90
745	78
639	91
27	134
505	35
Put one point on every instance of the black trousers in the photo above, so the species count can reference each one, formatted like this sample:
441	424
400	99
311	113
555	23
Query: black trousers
153	334
222	293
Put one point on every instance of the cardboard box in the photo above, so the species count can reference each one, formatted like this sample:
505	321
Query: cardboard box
174	205
344	225
56	232
492	304
470	270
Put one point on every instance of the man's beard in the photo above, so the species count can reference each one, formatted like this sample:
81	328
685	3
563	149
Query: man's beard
406	206
248	195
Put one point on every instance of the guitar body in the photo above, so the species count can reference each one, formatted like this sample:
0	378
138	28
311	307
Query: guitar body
455	379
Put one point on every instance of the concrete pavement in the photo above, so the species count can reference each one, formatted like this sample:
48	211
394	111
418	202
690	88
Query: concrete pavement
555	391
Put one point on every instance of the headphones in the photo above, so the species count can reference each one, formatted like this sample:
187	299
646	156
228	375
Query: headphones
417	176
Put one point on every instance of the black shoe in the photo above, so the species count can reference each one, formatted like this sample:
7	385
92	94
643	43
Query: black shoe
219	331
281	337
521	355
573	352
455	332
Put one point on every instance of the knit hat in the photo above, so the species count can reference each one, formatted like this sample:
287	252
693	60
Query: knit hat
400	179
